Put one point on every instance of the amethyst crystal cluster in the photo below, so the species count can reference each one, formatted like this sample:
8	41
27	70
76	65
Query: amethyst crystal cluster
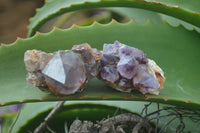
125	68
66	72
62	72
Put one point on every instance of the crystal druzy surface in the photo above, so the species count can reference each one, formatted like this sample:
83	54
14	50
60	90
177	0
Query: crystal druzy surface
63	72
125	68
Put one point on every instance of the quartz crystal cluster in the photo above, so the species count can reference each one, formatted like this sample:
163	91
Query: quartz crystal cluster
67	71
126	68
62	72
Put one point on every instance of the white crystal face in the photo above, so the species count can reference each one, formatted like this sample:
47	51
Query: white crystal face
55	70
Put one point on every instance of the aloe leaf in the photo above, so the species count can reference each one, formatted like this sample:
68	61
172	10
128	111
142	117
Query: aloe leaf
138	15
54	8
175	22
175	49
7	119
73	109
192	5
141	16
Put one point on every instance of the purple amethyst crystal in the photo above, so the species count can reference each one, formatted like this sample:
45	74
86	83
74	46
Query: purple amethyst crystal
133	52
125	84
125	68
109	59
109	73
144	80
64	72
112	48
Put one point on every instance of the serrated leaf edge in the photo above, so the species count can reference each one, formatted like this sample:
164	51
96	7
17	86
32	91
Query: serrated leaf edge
33	28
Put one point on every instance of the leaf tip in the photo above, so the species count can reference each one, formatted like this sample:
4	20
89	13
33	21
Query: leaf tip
74	25
95	22
146	98
187	101
127	97
81	97
62	98
22	101
18	38
104	98
175	6
71	4
54	27
148	20
37	32
37	9
86	2
42	99
3	104
30	19
165	99
197	13
113	20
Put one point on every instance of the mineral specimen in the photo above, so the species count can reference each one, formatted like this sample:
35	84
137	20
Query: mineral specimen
126	68
67	71
63	72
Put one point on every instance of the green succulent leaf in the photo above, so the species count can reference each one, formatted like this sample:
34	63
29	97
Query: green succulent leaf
192	5
138	15
70	111
141	16
175	49
54	8
79	109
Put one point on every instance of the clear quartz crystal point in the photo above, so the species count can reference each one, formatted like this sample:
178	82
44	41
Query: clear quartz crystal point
125	68
64	72
55	69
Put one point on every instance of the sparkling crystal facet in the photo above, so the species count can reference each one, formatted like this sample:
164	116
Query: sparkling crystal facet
65	73
55	69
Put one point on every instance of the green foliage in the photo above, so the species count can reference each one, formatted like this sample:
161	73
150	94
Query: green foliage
170	43
174	48
53	8
71	111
